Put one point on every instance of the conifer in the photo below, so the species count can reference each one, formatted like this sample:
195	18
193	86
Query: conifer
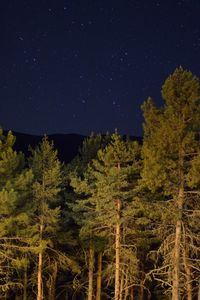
170	150
46	188
108	186
15	183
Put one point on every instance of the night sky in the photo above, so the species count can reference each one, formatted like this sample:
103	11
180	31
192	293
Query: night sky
88	65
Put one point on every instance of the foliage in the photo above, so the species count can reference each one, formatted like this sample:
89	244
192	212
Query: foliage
120	219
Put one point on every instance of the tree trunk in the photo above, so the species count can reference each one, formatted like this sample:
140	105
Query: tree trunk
141	295
117	253
176	275
52	289
187	267
132	293
39	295
188	284
99	274
40	257
91	272
177	247
121	285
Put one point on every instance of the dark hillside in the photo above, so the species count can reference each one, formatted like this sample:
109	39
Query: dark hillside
66	144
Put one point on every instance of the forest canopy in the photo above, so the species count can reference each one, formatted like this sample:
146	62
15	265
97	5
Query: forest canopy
120	221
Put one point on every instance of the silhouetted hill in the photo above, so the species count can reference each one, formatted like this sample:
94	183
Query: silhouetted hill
66	144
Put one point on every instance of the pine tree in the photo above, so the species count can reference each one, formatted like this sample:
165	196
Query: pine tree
86	153
90	243
15	184
169	150
108	186
46	188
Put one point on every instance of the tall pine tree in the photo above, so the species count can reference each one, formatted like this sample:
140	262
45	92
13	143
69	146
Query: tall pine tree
108	188
171	143
15	184
90	243
46	188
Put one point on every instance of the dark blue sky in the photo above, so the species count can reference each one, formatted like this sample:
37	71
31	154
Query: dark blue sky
82	66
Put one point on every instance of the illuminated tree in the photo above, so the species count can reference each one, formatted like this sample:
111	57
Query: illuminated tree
76	170
107	188
15	184
46	187
171	151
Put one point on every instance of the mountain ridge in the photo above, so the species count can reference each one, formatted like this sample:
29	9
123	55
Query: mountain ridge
67	144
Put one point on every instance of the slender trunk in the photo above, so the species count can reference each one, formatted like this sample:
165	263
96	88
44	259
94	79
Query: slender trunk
39	296
117	252
141	295
186	265
91	272
40	257
177	247
117	248
141	287
188	284
52	289
121	284
124	269
178	233
99	275
176	275
132	293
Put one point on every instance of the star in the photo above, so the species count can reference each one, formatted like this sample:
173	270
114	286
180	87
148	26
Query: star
100	57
